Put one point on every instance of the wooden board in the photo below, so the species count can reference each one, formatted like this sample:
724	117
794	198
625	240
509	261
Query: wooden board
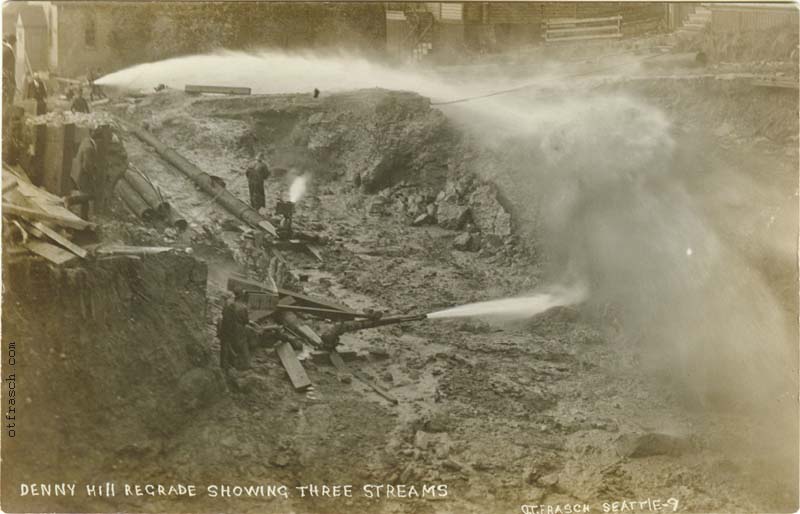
9	184
292	365
50	252
35	214
63	241
221	90
375	387
132	250
341	368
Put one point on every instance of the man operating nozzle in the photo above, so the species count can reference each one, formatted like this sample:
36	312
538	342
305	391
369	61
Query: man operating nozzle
257	173
232	333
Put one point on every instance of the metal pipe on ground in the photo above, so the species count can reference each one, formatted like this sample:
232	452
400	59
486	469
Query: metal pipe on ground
222	196
147	191
176	219
133	201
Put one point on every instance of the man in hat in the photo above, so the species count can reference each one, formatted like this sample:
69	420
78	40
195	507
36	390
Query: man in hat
38	91
79	103
257	173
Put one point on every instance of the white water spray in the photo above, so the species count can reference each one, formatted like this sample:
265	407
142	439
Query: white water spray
298	188
516	308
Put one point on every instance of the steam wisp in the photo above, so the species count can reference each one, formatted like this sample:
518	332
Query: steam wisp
516	308
298	188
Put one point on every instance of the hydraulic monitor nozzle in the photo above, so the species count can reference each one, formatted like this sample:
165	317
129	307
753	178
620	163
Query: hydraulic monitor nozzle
330	338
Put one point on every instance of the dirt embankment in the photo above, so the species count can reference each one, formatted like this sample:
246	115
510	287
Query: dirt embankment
95	343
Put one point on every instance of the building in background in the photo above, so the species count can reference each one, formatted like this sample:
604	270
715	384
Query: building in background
453	30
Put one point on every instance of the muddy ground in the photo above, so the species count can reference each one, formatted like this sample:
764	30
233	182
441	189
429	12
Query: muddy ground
547	411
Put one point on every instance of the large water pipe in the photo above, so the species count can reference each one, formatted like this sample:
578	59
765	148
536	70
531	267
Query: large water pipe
218	192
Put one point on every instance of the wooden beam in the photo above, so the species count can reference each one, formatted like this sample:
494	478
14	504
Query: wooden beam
9	184
63	241
50	252
293	368
220	90
375	387
132	250
33	214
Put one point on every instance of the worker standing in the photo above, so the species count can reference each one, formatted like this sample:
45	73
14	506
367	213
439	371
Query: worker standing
79	103
38	91
232	333
256	175
85	174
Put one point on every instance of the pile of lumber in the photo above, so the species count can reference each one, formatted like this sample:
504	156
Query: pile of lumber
144	199
37	222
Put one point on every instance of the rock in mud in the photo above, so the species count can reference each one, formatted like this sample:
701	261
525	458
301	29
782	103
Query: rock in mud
487	212
377	207
452	216
422	219
650	444
466	242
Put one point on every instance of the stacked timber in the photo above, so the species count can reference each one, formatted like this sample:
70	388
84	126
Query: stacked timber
55	138
36	221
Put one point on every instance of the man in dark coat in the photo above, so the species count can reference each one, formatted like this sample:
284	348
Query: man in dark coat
38	91
79	104
256	175
232	333
85	174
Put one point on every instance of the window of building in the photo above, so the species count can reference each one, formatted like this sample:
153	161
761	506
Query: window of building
90	32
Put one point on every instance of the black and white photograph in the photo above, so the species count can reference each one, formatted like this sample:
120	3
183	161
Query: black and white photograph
400	257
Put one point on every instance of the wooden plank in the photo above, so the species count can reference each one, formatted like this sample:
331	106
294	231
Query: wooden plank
556	40
313	301
9	184
50	252
313	250
342	370
293	368
375	387
222	90
63	241
566	21
34	214
132	250
580	30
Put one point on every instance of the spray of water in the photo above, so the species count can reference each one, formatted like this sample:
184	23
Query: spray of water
517	308
298	188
